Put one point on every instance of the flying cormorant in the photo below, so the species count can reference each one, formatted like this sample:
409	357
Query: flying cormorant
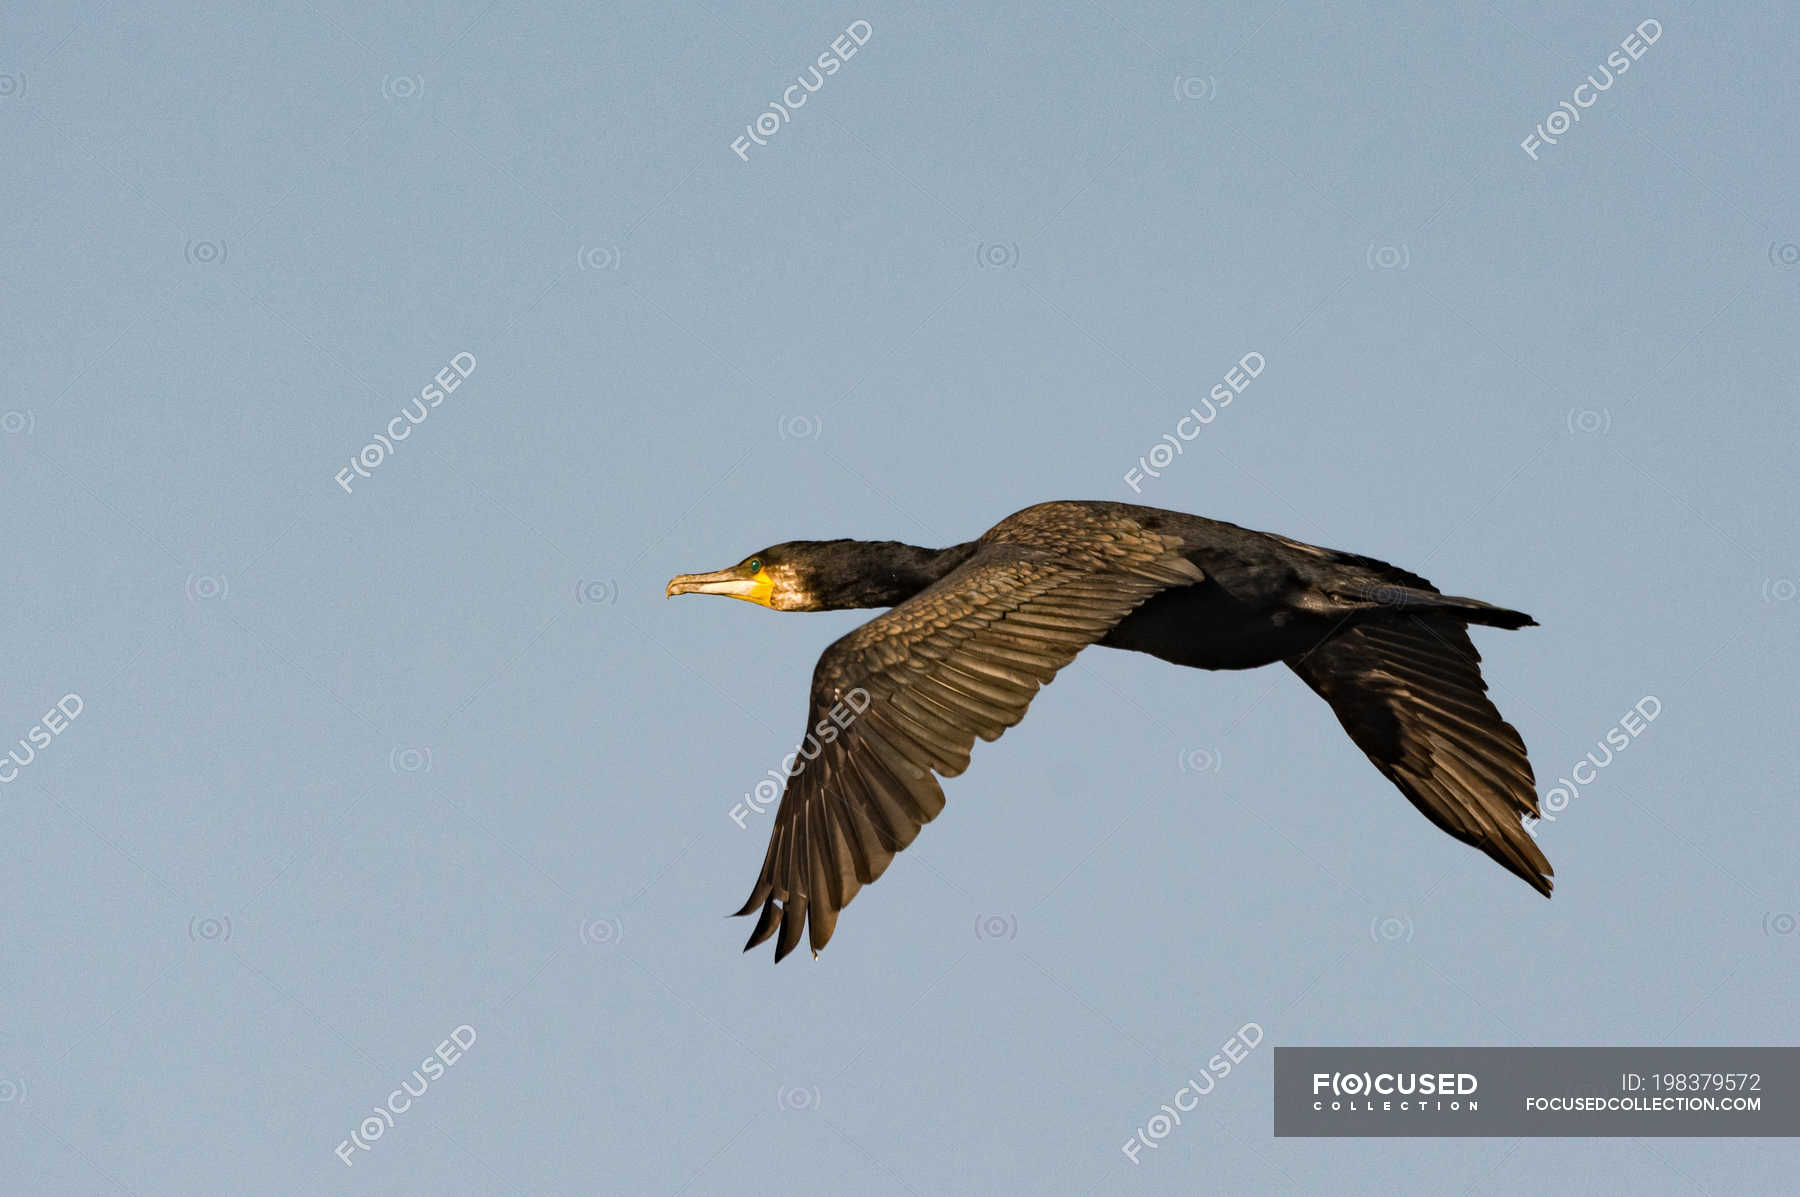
976	628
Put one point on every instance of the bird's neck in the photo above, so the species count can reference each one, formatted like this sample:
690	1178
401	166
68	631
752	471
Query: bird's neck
894	572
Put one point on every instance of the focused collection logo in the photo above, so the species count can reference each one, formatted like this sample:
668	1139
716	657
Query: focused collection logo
1394	1092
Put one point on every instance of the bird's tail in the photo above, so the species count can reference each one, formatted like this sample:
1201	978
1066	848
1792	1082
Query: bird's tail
1419	600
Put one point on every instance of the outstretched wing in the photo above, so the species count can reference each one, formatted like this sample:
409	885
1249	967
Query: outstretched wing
1410	694
904	696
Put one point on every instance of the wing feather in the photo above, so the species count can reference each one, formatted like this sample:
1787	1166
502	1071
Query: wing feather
1411	695
961	660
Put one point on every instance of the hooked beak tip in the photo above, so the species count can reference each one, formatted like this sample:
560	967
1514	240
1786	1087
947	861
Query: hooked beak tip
690	584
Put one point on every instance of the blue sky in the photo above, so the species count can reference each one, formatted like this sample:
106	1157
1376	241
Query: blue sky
365	763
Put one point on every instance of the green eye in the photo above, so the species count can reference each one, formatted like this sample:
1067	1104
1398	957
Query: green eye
755	565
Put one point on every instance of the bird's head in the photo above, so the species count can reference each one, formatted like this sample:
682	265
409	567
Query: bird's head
779	577
822	575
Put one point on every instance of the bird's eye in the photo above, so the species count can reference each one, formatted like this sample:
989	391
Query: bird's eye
755	565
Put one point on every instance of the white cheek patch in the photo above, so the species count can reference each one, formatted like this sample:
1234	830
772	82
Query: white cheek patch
785	592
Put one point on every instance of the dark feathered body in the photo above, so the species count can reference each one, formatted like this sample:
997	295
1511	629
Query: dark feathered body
1266	598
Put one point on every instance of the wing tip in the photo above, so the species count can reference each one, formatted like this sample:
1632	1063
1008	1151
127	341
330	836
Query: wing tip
1545	881
758	895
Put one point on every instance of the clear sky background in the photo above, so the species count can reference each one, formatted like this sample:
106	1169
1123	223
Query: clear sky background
355	769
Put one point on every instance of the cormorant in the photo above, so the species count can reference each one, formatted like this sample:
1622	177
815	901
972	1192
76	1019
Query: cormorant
976	628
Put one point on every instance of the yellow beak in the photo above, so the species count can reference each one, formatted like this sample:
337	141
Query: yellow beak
733	583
